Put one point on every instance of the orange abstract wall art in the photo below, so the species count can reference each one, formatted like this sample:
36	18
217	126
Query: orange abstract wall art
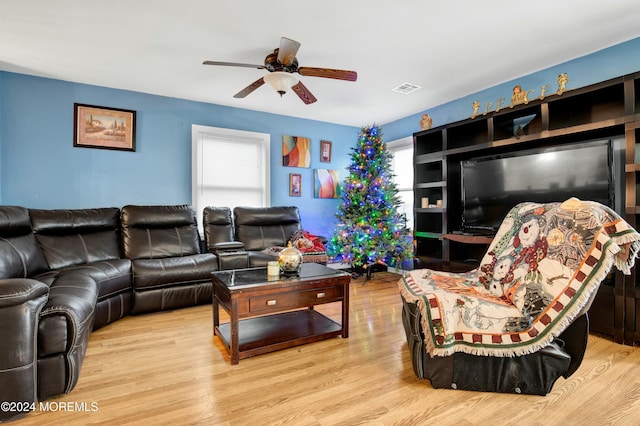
296	151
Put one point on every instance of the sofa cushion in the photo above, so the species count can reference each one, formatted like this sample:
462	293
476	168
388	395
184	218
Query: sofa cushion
174	271
156	232
262	227
75	237
110	276
20	256
218	226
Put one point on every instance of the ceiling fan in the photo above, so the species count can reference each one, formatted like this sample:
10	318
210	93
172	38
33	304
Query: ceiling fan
282	64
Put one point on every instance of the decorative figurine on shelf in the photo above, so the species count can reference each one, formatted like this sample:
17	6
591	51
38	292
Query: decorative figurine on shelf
562	83
426	122
487	107
290	260
543	91
518	132
519	96
476	106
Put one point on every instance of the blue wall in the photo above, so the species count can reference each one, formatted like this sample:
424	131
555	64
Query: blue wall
40	168
615	61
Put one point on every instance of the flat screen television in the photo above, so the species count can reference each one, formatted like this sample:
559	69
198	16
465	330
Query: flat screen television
492	185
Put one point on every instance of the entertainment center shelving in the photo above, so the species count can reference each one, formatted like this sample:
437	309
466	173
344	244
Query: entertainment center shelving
606	110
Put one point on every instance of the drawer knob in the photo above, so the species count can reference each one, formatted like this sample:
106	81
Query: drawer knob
320	295
272	302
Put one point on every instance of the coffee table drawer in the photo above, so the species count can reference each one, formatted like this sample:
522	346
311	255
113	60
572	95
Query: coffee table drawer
277	302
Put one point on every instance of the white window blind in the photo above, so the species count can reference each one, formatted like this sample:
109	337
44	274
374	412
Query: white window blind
230	168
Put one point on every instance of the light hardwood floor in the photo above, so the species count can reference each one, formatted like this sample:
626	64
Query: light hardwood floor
166	368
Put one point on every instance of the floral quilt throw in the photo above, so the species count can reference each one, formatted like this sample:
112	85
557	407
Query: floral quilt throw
540	272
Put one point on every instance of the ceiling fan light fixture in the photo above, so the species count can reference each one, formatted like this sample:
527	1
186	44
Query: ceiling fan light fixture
281	81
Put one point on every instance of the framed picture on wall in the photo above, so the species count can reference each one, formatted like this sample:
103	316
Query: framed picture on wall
295	185
326	183
325	151
104	127
296	151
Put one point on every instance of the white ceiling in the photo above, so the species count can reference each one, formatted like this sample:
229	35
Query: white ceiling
450	48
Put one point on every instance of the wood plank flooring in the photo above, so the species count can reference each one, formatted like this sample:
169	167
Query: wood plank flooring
167	368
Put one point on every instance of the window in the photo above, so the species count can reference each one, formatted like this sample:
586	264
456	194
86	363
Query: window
230	168
402	165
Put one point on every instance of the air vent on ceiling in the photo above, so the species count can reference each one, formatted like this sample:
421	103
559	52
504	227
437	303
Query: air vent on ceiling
406	88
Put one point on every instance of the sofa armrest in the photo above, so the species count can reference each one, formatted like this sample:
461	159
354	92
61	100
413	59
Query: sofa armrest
21	301
16	291
231	255
228	247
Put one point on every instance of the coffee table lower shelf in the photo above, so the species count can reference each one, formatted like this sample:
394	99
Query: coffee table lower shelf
259	335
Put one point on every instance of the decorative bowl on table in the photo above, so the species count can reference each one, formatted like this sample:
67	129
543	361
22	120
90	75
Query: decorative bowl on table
290	260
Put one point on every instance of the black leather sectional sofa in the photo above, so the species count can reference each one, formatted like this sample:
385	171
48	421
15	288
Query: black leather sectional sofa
64	273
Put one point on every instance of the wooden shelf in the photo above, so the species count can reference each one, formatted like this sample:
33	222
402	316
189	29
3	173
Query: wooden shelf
274	332
468	239
607	110
434	235
436	184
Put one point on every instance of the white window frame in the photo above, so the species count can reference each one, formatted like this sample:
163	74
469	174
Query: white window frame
393	147
200	135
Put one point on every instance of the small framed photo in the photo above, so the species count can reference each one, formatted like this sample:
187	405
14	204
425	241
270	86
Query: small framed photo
104	127
325	151
295	185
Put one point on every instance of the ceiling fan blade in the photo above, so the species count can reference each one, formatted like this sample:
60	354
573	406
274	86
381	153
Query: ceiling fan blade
328	73
250	88
304	93
233	64
287	50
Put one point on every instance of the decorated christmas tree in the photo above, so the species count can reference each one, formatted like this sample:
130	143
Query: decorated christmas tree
370	229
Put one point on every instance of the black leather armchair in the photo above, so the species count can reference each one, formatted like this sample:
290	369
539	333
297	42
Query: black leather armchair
519	321
534	373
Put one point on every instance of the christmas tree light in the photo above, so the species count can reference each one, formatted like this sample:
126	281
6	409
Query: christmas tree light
370	229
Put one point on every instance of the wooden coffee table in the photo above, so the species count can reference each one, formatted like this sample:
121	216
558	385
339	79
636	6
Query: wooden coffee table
268	314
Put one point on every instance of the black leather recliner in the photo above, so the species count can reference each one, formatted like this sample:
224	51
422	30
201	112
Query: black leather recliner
67	317
169	270
259	228
534	373
86	242
519	321
251	230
